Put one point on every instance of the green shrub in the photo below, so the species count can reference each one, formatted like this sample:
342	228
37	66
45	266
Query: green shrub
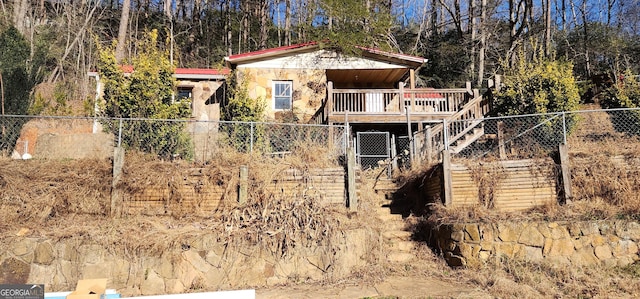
148	94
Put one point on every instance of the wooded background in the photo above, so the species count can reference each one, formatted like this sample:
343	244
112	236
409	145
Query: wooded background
52	45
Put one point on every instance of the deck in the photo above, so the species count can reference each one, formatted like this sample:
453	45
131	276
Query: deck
392	105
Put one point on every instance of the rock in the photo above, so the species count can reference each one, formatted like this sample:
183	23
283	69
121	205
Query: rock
454	260
194	258
43	254
92	253
213	258
562	247
581	243
531	237
574	229
152	284
598	240
532	254
472	232
23	247
589	228
487	231
484	255
603	252
623	247
46	273
548	242
101	270
584	257
14	271
606	228
624	261
631	231
508	232
505	249
544	229
487	246
457	236
559	232
174	286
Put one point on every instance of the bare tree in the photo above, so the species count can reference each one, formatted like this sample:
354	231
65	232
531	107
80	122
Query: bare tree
122	30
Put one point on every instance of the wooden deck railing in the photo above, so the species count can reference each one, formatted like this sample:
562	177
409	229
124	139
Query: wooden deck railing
394	101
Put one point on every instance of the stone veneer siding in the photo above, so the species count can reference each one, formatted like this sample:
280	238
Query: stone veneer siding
609	243
309	89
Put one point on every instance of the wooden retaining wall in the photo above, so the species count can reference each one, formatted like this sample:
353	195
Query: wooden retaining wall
504	185
196	192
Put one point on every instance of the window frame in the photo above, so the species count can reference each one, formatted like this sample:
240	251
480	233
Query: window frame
274	97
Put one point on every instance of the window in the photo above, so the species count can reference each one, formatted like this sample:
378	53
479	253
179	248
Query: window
282	95
184	92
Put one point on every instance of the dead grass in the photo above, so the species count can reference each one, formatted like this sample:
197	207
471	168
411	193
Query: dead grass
512	278
70	200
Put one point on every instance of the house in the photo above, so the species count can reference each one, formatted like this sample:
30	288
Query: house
374	92
51	138
205	87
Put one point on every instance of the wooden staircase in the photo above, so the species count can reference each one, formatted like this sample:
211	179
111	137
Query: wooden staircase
457	131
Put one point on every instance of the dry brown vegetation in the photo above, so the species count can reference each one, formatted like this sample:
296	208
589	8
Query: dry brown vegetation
71	199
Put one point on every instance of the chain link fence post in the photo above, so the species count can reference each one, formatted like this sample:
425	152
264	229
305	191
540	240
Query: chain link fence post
564	128
251	139
120	133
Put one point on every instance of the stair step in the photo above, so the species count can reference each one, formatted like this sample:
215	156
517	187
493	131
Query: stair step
385	214
401	235
403	246
400	257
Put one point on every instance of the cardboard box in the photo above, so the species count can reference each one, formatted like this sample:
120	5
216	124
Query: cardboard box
89	289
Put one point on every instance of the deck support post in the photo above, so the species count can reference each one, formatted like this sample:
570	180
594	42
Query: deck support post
428	144
447	192
566	172
329	103
394	152
410	136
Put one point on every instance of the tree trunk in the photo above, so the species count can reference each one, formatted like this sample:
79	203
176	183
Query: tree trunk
20	10
547	27
122	30
483	41
287	23
264	28
472	29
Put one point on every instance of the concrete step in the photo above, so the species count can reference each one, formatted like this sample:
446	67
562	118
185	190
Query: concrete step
388	217
400	257
402	246
399	235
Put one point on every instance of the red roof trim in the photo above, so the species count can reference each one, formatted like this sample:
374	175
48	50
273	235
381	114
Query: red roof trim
128	69
189	71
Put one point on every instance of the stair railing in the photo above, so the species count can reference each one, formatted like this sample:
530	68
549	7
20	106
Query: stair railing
439	137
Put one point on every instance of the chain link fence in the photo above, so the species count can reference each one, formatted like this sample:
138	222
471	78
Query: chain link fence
531	136
169	139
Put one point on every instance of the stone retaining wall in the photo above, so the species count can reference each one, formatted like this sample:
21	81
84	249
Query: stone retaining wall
609	243
203	263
